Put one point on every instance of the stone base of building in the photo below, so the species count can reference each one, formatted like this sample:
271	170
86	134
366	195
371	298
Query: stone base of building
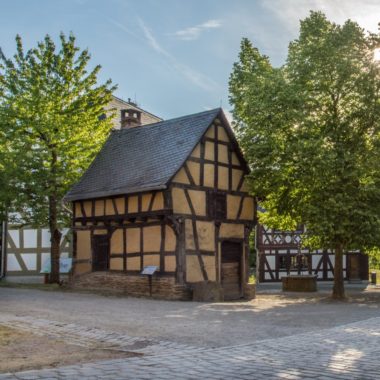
160	287
207	291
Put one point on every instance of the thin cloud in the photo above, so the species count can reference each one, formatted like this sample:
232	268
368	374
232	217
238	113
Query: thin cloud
124	28
151	39
193	76
194	32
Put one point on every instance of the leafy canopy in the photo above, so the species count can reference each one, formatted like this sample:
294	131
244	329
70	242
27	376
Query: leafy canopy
51	125
311	132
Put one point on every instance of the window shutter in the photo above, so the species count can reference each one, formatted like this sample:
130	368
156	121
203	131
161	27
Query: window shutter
220	206
210	204
216	205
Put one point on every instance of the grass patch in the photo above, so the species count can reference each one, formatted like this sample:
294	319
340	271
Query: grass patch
7	335
252	279
18	351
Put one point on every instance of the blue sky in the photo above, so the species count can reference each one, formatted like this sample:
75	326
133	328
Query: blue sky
173	56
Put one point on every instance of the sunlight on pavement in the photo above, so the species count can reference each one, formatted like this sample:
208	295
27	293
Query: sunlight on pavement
349	357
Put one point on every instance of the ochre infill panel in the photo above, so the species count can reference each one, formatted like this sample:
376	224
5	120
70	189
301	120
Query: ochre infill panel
206	235
145	202
180	204
116	263
99	208
117	241
158	203
247	211
170	239
193	269
152	239
198	200
170	264
222	178
133	204
151	260
133	240
236	177
83	245
181	177
208	175
223	153
231	231
209	151
233	203
195	169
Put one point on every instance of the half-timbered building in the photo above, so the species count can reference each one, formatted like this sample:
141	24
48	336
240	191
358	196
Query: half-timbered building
170	195
280	253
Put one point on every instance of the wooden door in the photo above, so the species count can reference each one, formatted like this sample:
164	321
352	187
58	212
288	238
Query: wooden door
357	266
353	267
100	252
231	270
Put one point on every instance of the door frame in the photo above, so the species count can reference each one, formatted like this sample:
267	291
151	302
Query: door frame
93	238
241	263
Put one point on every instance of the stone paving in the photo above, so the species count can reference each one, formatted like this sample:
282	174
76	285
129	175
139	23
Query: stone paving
351	351
93	337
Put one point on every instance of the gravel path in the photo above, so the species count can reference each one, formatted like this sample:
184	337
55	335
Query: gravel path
188	323
346	352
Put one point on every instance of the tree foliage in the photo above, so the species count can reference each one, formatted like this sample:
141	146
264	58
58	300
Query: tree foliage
50	129
311	132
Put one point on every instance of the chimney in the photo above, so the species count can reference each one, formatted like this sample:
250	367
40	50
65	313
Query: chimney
130	118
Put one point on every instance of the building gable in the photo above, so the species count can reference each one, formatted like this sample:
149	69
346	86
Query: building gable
215	164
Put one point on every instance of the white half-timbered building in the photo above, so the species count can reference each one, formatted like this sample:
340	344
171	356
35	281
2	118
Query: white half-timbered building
24	250
279	253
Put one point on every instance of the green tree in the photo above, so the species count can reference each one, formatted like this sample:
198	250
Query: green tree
51	127
310	131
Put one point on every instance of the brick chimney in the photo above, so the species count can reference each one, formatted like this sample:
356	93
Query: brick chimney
130	118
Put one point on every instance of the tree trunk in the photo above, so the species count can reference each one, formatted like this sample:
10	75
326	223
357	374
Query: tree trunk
55	234
55	239
338	289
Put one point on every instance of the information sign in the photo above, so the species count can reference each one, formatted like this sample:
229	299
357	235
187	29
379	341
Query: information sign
149	270
65	265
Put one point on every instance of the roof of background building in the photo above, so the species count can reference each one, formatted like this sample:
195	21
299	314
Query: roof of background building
134	105
142	158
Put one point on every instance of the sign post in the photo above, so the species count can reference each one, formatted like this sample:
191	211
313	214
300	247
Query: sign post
149	271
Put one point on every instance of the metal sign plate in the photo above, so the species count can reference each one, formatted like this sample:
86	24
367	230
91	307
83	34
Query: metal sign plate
149	270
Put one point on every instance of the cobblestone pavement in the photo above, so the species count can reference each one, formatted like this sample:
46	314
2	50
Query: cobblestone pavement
350	351
93	337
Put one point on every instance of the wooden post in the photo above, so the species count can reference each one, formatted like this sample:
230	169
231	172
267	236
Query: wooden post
150	284
181	252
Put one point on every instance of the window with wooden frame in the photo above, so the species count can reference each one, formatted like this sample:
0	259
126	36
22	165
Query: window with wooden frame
216	205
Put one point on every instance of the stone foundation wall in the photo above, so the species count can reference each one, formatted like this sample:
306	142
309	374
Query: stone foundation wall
132	285
208	291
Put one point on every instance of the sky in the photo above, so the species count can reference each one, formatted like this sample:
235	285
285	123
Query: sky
173	57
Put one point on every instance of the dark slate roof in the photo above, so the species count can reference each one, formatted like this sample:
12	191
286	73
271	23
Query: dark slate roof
142	158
